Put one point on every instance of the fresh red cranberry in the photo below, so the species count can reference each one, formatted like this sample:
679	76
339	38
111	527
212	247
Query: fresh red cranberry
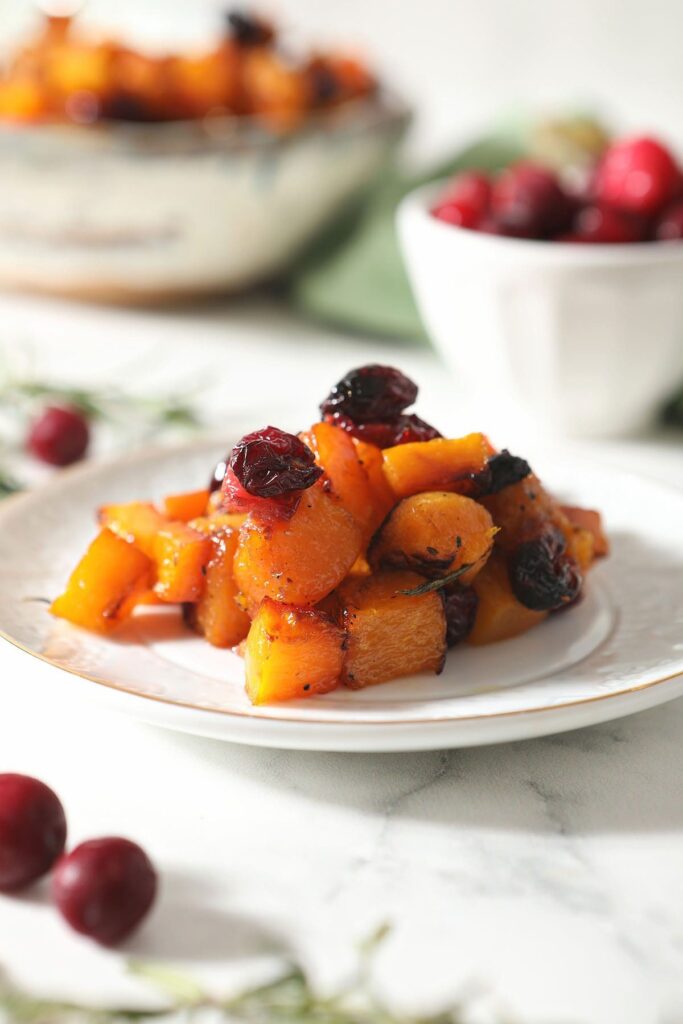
638	174
234	498
402	430
32	831
542	576
606	225
466	200
104	888
527	200
669	227
59	436
460	606
371	394
270	462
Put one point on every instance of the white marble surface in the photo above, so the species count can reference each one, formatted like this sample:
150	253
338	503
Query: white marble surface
542	878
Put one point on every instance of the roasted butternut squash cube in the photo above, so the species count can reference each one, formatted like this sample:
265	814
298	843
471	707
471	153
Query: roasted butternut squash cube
438	465
138	522
291	652
217	521
181	555
500	616
299	560
217	615
336	454
383	498
588	519
434	533
187	506
103	588
526	509
389	633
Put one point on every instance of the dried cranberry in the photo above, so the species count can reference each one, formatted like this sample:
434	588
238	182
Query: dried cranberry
218	475
402	430
104	888
466	200
502	470
670	225
234	498
542	576
270	462
247	30
371	394
32	831
528	200
638	175
59	436
460	606
324	84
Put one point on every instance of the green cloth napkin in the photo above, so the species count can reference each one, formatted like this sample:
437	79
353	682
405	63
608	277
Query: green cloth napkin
354	278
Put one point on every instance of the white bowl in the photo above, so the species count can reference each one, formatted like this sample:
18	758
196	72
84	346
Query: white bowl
135	212
586	339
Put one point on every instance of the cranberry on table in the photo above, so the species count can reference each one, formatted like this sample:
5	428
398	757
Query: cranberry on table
32	831
466	200
638	174
59	436
270	462
528	200
370	394
669	227
104	888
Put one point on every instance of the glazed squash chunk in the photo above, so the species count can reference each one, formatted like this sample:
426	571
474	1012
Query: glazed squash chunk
586	519
105	585
138	522
390	634
181	555
381	495
300	560
336	454
217	615
291	652
187	506
437	465
434	534
500	615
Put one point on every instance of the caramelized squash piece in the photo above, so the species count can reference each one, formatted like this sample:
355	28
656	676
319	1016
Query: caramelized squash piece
526	509
588	519
300	560
138	522
217	615
105	585
336	454
187	506
291	652
438	465
382	496
217	521
390	634
181	555
435	533
500	615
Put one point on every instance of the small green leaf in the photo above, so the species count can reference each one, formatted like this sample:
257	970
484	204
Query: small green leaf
170	982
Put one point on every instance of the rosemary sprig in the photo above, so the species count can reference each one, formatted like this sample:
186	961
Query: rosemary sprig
443	581
288	999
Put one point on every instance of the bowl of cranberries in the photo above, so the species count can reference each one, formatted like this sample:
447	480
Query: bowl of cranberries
563	305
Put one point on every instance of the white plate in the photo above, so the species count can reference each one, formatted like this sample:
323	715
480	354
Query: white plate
617	652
